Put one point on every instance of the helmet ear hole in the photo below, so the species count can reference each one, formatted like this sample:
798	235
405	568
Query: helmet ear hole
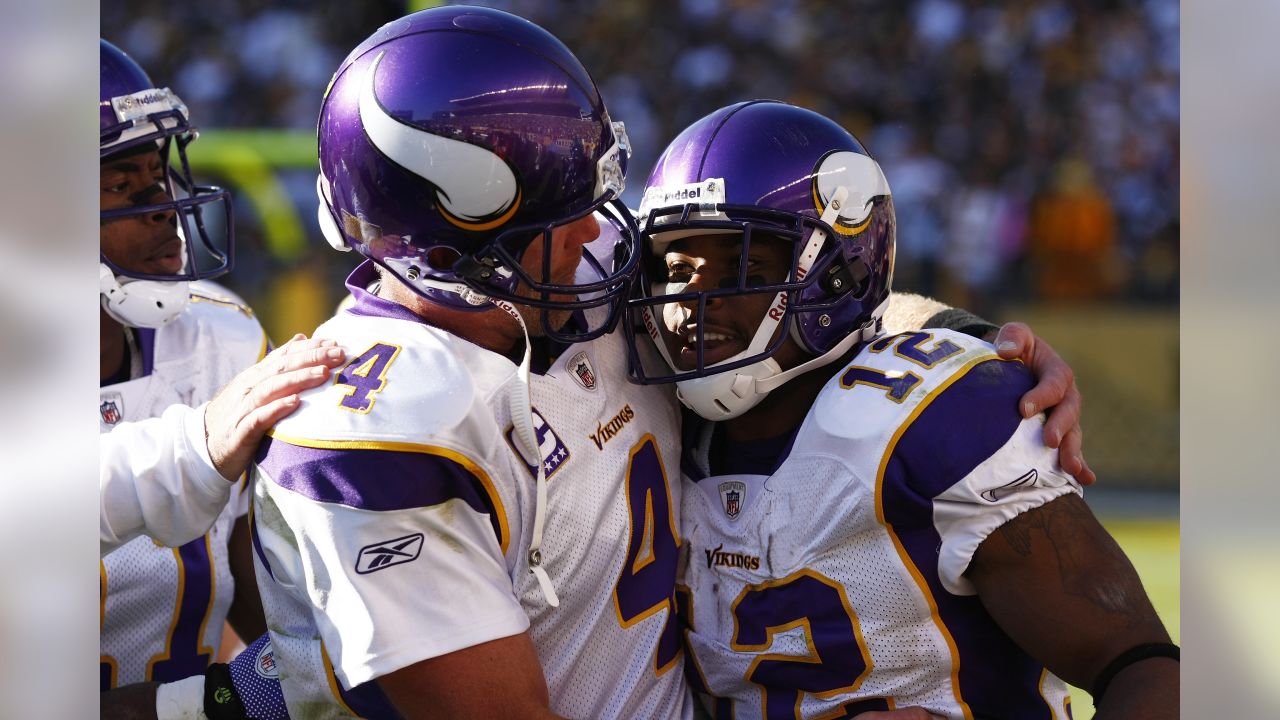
442	257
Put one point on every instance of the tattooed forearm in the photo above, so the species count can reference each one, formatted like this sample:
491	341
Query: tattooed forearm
1059	586
1017	532
1090	563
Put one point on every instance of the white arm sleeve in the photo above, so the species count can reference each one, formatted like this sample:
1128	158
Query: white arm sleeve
448	589
908	311
156	478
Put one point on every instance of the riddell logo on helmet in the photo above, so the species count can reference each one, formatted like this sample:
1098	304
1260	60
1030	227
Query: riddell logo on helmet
650	325
779	308
146	97
694	193
707	192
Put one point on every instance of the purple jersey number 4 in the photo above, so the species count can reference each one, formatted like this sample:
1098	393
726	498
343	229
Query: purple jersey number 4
647	583
366	375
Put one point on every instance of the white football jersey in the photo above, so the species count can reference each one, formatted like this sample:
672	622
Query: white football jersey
162	609
835	583
393	514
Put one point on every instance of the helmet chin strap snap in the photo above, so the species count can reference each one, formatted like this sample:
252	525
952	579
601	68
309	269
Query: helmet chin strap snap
727	395
141	303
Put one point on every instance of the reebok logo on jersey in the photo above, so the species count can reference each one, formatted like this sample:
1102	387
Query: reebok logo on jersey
720	558
606	431
380	556
1026	481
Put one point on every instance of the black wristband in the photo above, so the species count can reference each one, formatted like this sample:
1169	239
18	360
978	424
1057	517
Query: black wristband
221	701
961	321
1137	653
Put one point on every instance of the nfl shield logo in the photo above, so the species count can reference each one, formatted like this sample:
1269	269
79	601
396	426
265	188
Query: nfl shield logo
110	410
583	373
731	494
265	663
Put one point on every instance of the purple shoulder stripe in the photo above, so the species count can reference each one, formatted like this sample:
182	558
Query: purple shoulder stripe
378	479
962	426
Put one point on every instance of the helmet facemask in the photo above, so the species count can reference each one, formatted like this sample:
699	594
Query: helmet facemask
792	262
135	119
527	266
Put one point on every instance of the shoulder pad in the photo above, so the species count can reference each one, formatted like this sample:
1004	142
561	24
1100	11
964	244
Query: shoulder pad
213	324
403	382
207	291
891	376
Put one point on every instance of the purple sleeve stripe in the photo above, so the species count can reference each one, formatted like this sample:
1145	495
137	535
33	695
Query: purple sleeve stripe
953	430
335	687
381	476
363	701
959	425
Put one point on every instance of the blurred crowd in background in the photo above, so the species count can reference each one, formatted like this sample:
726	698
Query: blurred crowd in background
1032	145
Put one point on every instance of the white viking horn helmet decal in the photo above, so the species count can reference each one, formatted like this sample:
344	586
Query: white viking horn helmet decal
864	179
477	190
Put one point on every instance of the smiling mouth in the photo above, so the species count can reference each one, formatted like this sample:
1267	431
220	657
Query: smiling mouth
718	345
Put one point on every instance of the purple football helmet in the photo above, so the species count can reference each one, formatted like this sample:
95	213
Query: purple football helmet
135	115
771	173
454	138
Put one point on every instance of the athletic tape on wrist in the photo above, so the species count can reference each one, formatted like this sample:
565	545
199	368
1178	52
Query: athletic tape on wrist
181	699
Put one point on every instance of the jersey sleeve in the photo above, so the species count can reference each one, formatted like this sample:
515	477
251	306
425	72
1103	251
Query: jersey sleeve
156	478
969	462
398	553
1021	476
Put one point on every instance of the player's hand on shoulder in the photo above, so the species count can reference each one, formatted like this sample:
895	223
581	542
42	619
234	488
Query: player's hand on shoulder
1055	391
240	414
